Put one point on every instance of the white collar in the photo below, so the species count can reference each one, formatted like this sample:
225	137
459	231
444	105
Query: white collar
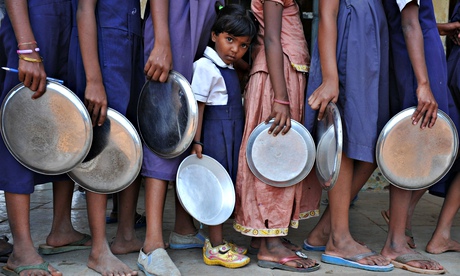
211	54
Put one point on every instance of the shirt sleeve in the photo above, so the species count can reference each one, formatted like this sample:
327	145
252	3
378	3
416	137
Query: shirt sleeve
402	3
202	80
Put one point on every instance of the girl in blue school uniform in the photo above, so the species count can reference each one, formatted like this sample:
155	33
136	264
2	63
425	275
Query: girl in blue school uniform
418	77
35	37
107	63
216	87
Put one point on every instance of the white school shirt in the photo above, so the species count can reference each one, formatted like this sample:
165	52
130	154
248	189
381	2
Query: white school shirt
403	3
208	85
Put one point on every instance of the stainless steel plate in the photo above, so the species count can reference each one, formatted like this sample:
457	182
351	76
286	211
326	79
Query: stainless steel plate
50	135
329	149
167	115
283	160
115	158
205	189
411	158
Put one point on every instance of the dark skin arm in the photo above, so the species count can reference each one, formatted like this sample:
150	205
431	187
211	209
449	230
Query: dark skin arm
274	55
196	148
327	45
159	62
32	74
427	106
451	29
95	95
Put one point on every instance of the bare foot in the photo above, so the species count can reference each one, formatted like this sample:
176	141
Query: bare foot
441	245
107	264
27	258
119	246
56	239
394	252
273	250
347	247
255	243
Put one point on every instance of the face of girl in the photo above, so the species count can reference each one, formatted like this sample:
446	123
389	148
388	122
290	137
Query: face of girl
230	48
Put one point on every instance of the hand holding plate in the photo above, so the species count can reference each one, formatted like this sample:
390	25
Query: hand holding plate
159	63
326	92
33	75
282	119
427	107
96	102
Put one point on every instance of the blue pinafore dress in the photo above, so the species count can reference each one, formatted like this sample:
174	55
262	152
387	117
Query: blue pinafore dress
223	125
403	83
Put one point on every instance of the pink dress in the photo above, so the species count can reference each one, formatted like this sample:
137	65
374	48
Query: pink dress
262	210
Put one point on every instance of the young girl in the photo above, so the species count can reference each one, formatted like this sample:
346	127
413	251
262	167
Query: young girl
109	70
349	68
175	33
419	76
275	90
221	116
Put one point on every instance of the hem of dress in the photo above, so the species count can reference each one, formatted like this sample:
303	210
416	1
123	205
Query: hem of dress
276	232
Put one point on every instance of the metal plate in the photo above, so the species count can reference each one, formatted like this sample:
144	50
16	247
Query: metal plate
115	158
411	158
167	115
283	160
205	189
329	148
50	135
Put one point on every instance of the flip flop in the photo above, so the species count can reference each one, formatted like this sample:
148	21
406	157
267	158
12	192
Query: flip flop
45	249
402	260
254	250
13	272
309	247
407	232
353	262
281	264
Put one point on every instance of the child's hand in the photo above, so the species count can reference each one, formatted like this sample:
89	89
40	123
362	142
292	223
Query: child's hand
33	75
96	102
159	63
427	107
197	149
325	93
282	119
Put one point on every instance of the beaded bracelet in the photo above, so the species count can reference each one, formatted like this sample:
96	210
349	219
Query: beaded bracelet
28	51
281	102
194	142
27	43
31	59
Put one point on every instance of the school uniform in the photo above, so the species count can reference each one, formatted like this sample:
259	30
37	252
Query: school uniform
216	84
362	63
51	22
190	25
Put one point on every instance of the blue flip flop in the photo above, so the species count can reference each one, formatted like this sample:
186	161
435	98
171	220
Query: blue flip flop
309	247
353	262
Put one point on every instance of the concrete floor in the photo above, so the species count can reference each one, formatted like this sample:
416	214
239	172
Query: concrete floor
367	225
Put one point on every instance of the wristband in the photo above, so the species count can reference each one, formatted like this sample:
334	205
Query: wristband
194	142
27	43
281	102
27	51
31	59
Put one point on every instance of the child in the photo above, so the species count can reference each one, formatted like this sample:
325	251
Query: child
221	117
275	90
25	28
175	33
349	68
419	76
110	41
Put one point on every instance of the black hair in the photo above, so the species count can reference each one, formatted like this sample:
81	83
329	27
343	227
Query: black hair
234	19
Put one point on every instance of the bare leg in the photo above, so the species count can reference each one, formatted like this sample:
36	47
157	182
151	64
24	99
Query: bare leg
184	222
396	243
155	195
24	253
62	231
441	240
340	242
320	233
125	239
101	258
216	235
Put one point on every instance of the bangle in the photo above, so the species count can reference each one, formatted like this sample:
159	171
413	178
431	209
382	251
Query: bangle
194	142
31	59
28	51
27	43
281	102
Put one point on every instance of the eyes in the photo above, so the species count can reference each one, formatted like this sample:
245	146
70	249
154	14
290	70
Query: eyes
231	40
